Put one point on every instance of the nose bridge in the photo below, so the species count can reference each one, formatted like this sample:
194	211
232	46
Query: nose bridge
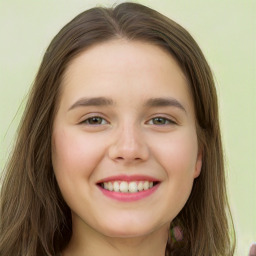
129	144
129	139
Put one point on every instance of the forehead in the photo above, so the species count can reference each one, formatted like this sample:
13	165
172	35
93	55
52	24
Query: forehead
120	67
127	54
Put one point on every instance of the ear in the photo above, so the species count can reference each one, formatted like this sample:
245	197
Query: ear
198	165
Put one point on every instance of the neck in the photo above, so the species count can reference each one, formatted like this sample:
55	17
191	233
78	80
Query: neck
94	243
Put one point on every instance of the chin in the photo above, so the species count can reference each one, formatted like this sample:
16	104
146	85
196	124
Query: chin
124	233
129	229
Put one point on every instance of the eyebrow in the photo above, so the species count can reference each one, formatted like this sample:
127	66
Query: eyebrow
98	101
102	101
165	102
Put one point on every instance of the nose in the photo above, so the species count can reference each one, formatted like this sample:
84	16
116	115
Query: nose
129	146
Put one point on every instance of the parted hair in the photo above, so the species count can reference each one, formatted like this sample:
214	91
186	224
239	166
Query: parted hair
34	218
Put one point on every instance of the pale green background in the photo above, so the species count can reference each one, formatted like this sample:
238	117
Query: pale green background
226	32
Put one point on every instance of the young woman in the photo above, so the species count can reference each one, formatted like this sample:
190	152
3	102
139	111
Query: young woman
119	151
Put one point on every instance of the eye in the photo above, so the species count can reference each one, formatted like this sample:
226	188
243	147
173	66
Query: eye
160	121
94	120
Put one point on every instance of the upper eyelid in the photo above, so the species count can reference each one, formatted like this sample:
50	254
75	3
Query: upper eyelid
101	115
92	115
164	116
168	119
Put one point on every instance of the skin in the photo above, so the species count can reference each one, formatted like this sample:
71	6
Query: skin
126	139
253	250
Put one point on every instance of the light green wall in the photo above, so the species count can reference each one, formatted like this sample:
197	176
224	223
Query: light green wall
226	32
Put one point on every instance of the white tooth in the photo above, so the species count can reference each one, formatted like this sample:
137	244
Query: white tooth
105	185
146	185
140	186
116	186
123	187
133	187
110	186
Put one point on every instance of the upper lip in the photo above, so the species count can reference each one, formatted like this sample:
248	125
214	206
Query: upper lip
128	178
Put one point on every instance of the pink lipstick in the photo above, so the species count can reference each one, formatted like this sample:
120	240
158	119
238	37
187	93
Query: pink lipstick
128	188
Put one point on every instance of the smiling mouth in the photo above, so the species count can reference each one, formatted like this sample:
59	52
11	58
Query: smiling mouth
128	186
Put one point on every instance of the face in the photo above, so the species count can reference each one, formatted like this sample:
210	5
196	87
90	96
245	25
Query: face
124	148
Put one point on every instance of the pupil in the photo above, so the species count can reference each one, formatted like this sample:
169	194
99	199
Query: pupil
159	120
95	120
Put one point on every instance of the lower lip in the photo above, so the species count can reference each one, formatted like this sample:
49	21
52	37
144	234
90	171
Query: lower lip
129	197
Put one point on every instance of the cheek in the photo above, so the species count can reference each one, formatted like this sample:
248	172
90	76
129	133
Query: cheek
74	157
74	154
178	157
178	154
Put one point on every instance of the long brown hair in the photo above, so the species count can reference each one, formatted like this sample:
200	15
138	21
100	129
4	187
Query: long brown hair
35	219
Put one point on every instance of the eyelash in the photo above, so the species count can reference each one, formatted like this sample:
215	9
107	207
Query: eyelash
167	121
93	118
151	121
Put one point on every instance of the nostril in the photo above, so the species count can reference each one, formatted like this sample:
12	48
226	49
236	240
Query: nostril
128	158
